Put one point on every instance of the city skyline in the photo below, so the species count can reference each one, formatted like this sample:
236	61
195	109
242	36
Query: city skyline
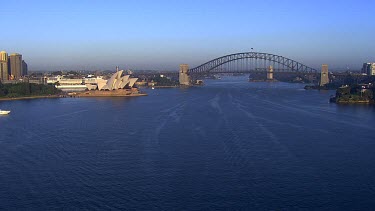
161	35
12	66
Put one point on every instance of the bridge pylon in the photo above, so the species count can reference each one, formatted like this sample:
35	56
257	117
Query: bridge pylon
324	75
184	77
270	73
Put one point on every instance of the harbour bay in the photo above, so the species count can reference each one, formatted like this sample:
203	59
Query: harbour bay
228	144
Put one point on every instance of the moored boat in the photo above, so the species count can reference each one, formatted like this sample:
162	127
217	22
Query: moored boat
3	112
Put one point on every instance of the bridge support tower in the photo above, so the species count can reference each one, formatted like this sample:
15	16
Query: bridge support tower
270	73
184	77
324	75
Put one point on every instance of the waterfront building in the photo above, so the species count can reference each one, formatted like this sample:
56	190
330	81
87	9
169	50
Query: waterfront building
116	82
4	75
368	68
68	84
15	69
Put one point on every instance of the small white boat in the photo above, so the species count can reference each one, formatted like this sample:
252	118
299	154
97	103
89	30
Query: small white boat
3	112
152	87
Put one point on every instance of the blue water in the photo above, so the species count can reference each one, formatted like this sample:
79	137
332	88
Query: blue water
228	145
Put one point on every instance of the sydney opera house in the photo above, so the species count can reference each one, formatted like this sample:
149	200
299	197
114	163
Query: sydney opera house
117	81
117	85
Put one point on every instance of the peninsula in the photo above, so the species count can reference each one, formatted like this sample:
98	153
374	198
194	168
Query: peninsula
355	94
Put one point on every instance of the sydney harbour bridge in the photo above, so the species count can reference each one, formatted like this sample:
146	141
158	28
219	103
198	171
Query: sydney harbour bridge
247	62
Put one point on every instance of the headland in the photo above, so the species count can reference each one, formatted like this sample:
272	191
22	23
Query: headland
354	94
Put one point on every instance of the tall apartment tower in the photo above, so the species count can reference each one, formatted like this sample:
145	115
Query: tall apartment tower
4	66
365	68
24	68
368	68
15	65
324	75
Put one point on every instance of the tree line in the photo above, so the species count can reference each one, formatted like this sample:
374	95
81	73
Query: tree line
26	89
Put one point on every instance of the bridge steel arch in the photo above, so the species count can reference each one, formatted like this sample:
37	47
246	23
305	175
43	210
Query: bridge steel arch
292	65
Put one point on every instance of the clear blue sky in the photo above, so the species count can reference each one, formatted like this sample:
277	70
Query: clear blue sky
161	34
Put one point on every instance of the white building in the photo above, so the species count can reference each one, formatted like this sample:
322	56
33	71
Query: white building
117	81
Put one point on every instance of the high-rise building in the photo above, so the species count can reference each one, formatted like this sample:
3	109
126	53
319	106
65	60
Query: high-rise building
4	66
364	68
15	65
24	68
368	68
324	75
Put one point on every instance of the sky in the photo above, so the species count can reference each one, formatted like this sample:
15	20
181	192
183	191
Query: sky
161	34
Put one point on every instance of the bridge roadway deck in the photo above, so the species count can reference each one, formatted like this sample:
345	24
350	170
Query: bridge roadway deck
224	72
173	73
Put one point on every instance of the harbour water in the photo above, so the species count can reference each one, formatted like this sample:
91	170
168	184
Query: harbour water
229	144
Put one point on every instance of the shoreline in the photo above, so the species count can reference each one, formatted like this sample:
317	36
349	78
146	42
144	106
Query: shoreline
108	96
77	95
266	80
164	87
351	102
113	93
29	97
